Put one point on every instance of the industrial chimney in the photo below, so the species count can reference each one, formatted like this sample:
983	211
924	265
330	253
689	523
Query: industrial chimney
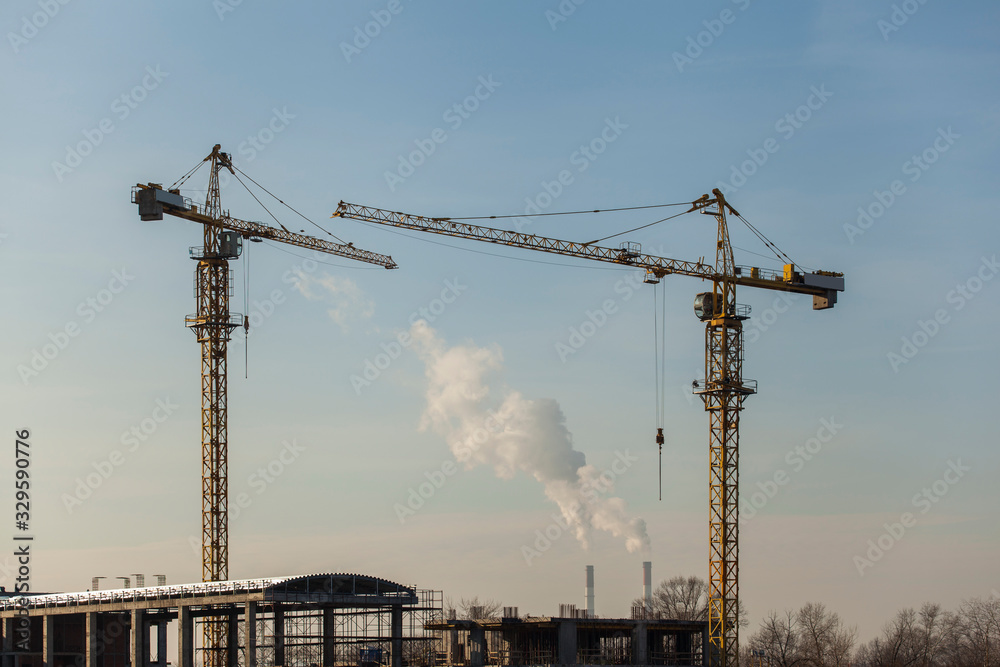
647	586
590	591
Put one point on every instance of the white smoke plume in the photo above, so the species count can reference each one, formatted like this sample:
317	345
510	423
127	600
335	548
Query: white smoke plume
512	433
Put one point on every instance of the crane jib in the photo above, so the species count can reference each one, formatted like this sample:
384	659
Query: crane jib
822	286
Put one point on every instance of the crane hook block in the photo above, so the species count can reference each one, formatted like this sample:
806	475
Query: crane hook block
659	437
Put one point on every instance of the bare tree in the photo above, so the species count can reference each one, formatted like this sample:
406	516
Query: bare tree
474	608
684	599
778	640
911	639
979	632
824	640
810	637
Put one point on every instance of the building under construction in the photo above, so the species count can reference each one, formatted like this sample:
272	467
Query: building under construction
316	620
582	640
324	620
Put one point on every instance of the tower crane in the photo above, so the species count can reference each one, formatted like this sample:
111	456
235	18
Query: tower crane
723	388
213	325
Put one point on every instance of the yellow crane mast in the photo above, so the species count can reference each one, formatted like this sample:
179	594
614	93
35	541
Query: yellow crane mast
723	387
213	325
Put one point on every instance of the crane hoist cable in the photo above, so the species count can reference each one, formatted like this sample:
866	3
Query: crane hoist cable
635	229
660	368
259	201
280	201
183	179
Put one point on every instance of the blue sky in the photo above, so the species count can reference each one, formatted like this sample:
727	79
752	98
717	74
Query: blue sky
146	90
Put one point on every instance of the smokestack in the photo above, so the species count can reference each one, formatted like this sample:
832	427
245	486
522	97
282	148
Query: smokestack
590	591
647	585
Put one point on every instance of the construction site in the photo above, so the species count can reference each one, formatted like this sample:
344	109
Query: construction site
328	620
341	620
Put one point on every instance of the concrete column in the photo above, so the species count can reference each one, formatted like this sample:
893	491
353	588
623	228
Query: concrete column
397	635
139	639
706	646
48	640
640	644
329	637
161	643
567	642
8	642
477	646
233	640
185	637
250	632
279	636
685	645
90	639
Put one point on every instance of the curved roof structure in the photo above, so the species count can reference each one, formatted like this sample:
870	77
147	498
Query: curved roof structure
340	588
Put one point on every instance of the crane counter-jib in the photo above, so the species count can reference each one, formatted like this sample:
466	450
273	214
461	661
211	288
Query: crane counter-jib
154	201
